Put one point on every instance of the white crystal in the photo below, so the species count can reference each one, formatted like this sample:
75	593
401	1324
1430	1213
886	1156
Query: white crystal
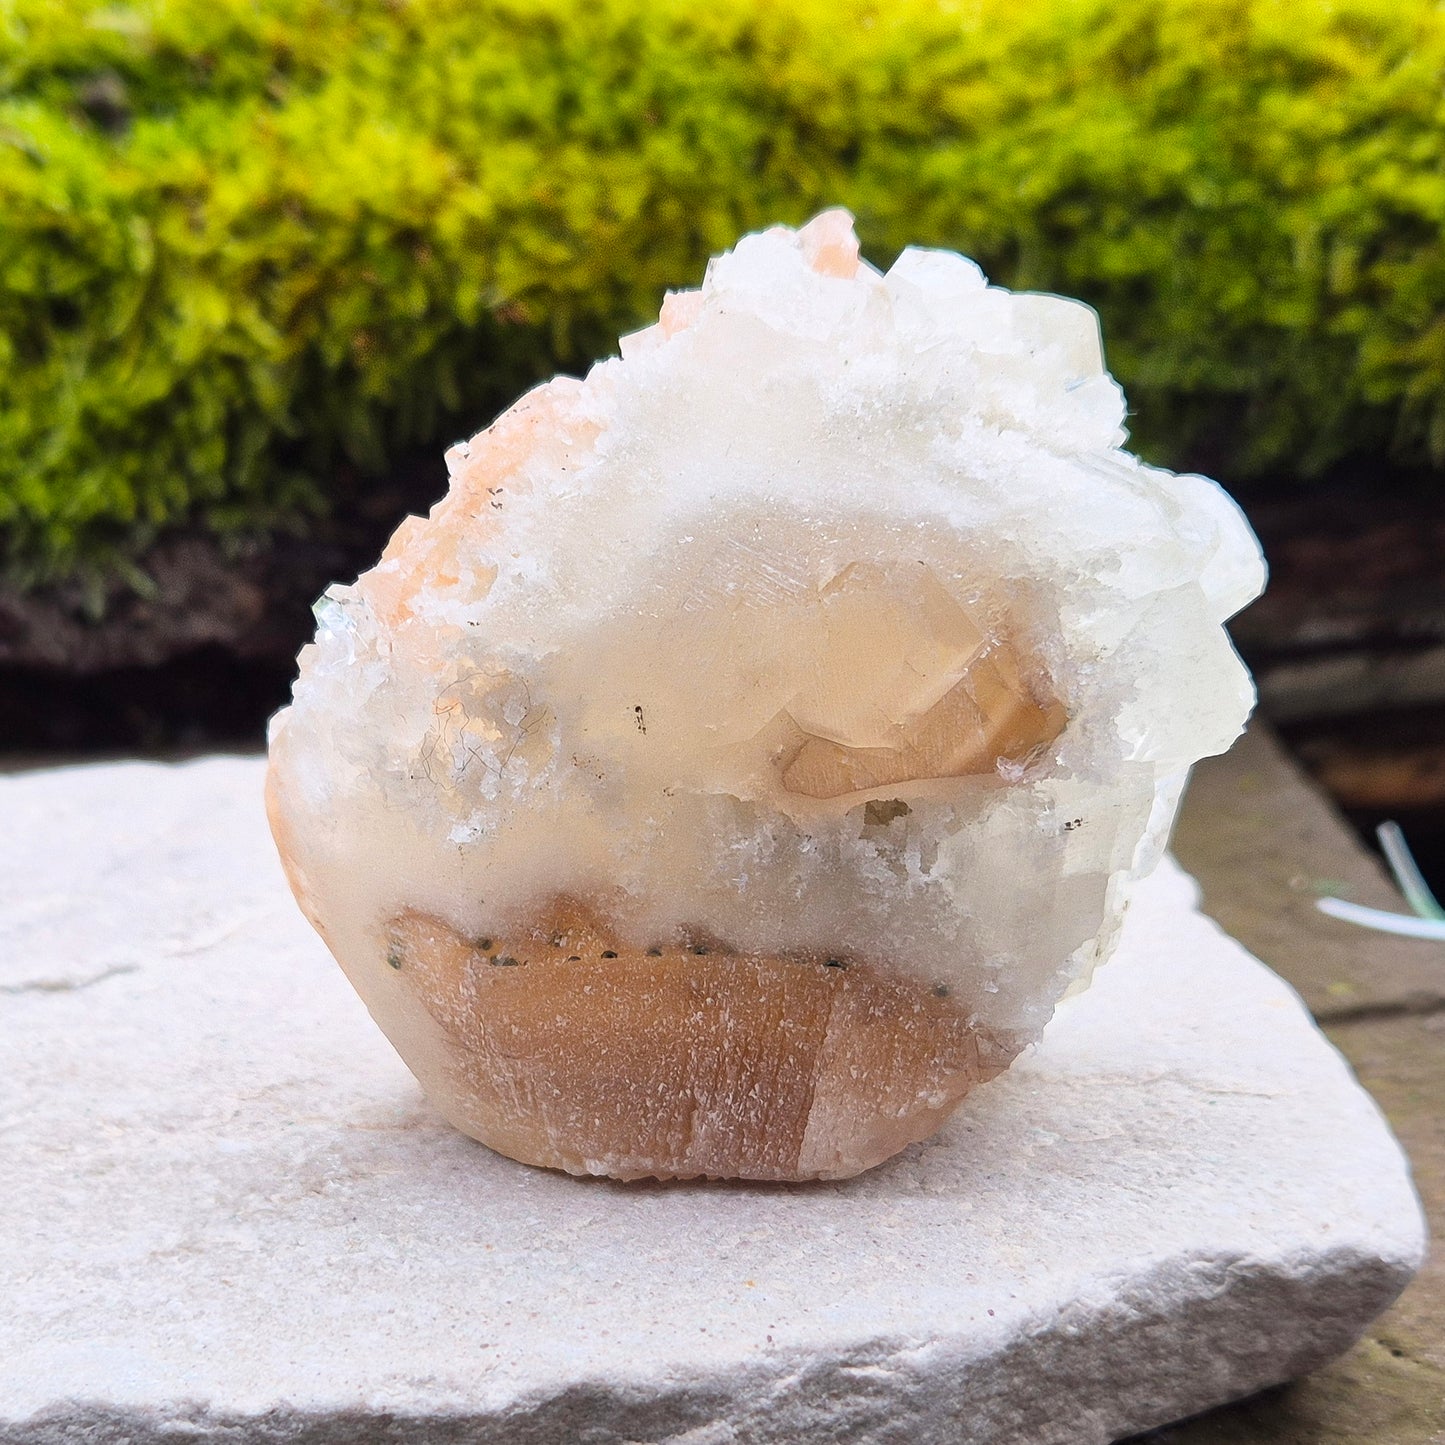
831	617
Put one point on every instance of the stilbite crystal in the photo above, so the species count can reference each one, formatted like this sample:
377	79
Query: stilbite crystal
762	734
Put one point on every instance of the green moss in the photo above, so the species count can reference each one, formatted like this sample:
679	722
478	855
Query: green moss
247	243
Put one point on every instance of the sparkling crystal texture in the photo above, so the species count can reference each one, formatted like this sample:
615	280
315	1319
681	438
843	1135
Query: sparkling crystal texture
762	734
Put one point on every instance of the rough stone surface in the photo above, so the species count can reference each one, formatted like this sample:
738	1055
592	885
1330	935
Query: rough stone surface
1262	841
229	1212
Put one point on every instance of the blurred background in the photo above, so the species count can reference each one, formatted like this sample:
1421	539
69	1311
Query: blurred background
261	260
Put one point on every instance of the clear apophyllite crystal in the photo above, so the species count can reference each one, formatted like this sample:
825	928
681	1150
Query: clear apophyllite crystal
762	734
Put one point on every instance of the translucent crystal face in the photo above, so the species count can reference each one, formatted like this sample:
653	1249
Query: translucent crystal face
904	686
574	1049
848	681
829	622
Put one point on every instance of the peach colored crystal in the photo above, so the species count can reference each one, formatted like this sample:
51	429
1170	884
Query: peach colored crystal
686	1060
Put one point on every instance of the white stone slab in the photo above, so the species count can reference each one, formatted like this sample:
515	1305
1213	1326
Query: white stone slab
229	1213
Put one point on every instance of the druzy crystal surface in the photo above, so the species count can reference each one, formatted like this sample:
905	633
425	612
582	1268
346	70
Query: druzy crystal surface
761	736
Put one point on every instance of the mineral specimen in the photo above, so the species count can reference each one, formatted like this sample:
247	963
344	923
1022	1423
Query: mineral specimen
762	735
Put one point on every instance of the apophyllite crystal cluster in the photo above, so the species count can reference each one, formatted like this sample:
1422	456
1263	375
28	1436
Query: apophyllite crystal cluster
762	735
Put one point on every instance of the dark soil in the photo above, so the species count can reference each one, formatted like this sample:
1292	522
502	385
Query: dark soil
1348	646
1354	615
204	652
1383	766
206	698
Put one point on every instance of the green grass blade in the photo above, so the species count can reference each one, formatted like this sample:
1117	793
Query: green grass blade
1407	872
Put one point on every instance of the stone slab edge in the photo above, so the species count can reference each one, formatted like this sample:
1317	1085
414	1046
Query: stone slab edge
1117	1354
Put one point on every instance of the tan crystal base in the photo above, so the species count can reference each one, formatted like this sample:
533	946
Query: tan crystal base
573	1051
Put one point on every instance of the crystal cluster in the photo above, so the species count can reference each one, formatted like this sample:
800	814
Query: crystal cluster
761	736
